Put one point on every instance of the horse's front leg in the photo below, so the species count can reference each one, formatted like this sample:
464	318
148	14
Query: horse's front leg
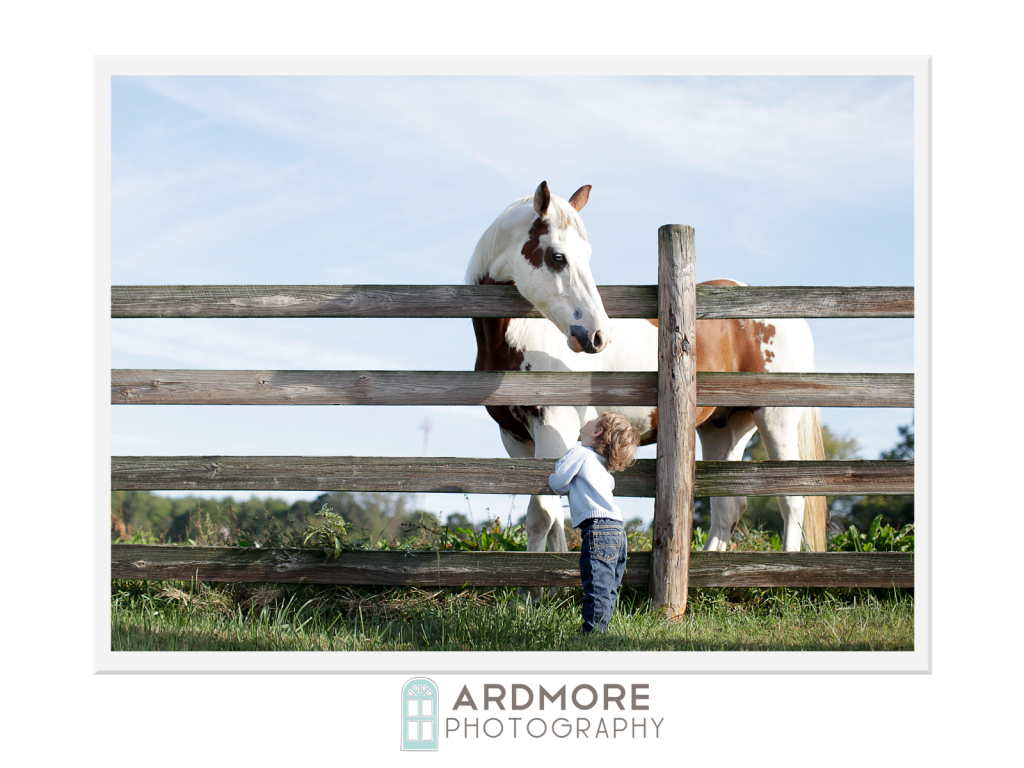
725	443
780	433
554	431
544	525
542	511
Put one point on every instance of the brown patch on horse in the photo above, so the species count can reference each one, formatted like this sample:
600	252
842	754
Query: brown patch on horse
494	353
764	333
733	345
729	346
531	248
549	260
652	436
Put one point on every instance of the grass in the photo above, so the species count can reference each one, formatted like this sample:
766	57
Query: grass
183	616
165	616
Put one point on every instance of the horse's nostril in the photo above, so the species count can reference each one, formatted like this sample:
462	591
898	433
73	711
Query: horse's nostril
597	340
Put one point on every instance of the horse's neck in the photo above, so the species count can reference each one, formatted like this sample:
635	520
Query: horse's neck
491	256
498	271
487	266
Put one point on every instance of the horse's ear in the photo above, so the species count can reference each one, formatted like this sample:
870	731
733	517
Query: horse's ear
542	199
579	197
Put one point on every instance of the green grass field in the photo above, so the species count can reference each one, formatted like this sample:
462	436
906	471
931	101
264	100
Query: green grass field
166	616
182	616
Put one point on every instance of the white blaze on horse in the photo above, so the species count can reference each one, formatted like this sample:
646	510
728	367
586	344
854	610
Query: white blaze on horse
539	244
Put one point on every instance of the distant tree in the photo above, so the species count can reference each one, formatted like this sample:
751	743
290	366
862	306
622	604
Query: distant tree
458	520
904	449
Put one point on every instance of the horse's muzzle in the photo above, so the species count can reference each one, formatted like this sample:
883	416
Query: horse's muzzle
580	341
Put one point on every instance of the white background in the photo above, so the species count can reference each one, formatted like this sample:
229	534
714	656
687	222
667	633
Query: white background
62	711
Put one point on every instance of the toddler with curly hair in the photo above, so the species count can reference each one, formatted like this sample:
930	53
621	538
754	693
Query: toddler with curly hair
609	444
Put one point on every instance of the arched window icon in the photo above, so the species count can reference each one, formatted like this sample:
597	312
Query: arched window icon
419	715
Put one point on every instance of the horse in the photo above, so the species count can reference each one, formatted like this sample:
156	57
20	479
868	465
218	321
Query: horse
539	244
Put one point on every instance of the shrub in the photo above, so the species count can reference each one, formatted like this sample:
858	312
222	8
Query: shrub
879	538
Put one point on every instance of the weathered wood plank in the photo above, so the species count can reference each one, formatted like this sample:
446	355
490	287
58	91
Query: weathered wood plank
677	419
490	569
834	390
525	476
804	478
620	301
198	387
353	473
217	387
720	302
353	301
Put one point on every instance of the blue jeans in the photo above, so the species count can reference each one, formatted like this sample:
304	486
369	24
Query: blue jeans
602	564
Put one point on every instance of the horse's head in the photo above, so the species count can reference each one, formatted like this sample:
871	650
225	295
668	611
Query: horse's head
552	270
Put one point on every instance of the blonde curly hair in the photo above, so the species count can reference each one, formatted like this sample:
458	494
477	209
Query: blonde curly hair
617	442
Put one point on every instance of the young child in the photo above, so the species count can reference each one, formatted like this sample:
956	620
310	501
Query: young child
609	444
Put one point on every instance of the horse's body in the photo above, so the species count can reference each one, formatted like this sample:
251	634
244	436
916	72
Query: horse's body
539	244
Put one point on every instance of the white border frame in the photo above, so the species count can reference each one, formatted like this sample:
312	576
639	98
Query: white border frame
606	663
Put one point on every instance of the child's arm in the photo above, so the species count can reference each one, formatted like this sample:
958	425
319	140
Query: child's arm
566	469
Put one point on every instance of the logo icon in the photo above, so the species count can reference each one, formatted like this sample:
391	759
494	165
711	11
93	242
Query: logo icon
419	715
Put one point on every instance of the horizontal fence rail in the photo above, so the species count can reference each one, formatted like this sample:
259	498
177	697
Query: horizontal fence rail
492	569
219	387
501	476
620	301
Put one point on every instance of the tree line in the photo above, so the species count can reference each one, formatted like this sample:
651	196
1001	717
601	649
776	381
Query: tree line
145	516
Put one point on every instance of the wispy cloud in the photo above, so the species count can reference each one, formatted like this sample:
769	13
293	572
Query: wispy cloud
787	131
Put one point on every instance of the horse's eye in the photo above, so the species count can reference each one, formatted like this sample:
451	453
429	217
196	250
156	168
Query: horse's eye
559	257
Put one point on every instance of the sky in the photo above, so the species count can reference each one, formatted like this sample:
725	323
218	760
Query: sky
376	180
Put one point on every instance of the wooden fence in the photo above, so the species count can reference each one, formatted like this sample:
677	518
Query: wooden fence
673	479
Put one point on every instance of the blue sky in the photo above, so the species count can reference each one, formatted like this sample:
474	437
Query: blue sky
346	180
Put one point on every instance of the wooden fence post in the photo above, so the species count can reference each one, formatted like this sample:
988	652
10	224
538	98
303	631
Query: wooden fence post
677	412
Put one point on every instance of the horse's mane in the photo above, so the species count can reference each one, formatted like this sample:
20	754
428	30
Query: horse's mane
496	239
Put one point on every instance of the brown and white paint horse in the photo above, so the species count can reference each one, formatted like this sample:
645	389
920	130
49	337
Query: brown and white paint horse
539	244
